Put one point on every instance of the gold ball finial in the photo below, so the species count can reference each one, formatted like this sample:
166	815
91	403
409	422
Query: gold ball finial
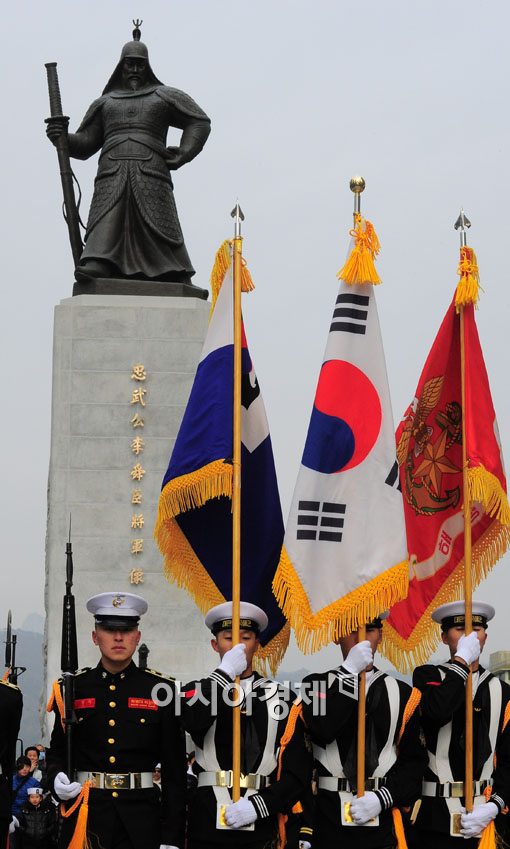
357	185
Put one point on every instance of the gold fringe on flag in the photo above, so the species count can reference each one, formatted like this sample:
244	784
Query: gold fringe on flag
405	655
222	262
313	631
485	488
182	567
468	286
360	267
194	490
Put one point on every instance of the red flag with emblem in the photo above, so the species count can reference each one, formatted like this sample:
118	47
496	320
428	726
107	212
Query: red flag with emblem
429	453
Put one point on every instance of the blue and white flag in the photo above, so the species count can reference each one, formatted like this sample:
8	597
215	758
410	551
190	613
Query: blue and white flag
194	524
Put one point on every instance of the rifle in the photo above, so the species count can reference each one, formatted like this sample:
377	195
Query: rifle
71	214
69	655
13	672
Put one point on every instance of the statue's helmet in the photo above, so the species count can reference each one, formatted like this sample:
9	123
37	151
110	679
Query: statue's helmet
134	49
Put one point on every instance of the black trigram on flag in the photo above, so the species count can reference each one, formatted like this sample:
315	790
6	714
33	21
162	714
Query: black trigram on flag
320	520
393	478
351	312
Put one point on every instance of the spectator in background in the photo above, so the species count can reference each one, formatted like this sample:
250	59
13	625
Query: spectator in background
156	777
21	782
37	822
32	753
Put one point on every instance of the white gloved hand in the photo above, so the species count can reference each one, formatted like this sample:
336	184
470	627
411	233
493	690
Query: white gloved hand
64	788
14	824
359	657
474	823
365	808
468	648
241	812
303	844
234	661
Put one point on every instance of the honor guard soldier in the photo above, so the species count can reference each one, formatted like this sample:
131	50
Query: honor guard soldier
122	732
11	706
275	762
441	819
394	755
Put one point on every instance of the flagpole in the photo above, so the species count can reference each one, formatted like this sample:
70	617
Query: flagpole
357	186
238	216
462	224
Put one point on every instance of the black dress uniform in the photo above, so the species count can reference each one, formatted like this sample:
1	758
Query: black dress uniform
265	712
11	706
120	735
443	720
393	769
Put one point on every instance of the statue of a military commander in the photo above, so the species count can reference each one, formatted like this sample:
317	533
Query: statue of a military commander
133	229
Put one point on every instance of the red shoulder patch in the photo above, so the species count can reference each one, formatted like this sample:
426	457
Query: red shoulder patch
84	703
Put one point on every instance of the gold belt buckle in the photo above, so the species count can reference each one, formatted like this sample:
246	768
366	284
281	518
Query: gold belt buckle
117	781
456	789
224	778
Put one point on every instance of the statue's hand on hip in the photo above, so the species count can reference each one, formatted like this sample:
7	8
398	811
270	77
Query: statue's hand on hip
174	158
55	127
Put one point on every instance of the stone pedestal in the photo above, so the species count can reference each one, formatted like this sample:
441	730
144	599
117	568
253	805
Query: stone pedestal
98	340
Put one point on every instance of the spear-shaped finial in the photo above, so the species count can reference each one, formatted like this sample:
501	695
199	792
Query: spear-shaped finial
238	216
463	224
357	185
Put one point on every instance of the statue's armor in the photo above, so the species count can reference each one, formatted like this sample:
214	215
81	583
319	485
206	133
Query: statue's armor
133	188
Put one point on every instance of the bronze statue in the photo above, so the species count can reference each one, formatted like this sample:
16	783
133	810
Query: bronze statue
133	231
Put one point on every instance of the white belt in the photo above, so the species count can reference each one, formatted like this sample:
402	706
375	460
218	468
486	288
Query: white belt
452	789
117	780
224	778
339	785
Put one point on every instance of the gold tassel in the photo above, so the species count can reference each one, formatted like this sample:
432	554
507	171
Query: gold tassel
56	696
296	712
398	826
313	631
411	705
468	286
360	267
79	839
488	838
222	262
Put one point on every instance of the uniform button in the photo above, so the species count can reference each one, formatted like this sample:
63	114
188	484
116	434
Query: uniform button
115	794
112	759
142	721
111	722
111	740
113	704
113	687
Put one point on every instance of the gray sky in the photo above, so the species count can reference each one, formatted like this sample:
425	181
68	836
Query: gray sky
302	94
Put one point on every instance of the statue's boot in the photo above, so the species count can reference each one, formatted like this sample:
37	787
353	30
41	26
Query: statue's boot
92	268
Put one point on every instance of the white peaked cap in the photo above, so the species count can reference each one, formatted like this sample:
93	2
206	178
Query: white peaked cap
458	609
124	605
249	614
